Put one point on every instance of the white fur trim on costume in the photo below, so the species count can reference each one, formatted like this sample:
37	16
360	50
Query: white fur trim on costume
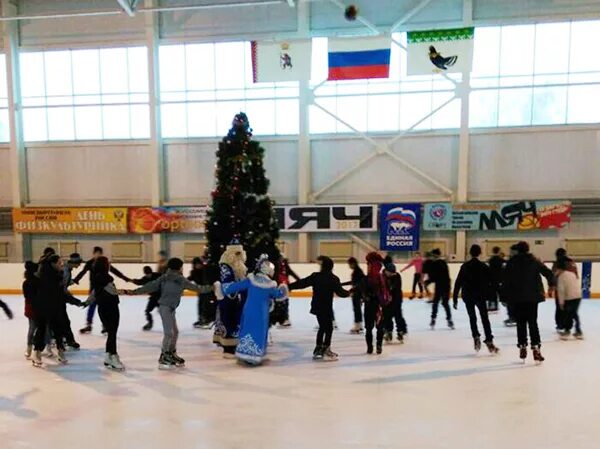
218	291
261	281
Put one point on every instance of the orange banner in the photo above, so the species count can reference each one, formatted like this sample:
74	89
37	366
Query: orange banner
149	220
80	220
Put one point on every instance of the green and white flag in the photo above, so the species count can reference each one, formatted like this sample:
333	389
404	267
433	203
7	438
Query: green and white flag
440	51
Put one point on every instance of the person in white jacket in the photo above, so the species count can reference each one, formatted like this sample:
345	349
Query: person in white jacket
569	298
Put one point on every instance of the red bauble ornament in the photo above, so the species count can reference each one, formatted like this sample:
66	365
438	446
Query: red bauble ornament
351	13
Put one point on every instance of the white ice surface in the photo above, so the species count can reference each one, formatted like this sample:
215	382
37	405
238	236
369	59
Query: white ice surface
433	392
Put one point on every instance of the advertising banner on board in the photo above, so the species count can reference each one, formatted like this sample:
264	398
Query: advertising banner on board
400	226
509	216
70	220
152	220
321	218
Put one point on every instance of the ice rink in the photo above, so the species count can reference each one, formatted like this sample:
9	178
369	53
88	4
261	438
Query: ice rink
432	392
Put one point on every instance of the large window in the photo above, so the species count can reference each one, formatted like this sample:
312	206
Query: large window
204	85
85	94
4	125
542	74
394	104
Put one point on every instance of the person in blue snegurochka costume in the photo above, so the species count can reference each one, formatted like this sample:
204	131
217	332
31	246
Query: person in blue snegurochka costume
254	325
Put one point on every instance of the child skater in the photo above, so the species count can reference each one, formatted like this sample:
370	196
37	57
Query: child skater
568	293
475	282
376	297
90	266
563	258
393	311
149	276
48	308
171	285
30	289
439	274
324	284
281	311
356	282
205	274
524	289
106	296
417	263
254	324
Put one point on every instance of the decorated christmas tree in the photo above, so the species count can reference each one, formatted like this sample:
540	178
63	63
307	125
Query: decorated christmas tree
241	207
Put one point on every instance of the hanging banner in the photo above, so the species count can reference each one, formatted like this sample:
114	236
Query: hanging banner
152	220
514	216
80	220
440	51
342	218
400	226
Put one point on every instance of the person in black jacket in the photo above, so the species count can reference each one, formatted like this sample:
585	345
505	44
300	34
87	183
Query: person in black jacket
90	266
356	281
205	274
49	306
324	284
149	276
475	281
524	289
496	264
439	274
393	311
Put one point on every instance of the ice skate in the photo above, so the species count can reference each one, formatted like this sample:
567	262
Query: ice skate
356	329
36	360
179	361
509	323
148	326
492	347
537	355
61	358
103	331
197	325
86	330
578	335
335	326
165	362
388	337
228	355
370	349
48	352
432	324
400	338
564	335
330	356
28	352
413	296
523	353
285	324
451	324
207	325
379	350
73	345
318	353
477	344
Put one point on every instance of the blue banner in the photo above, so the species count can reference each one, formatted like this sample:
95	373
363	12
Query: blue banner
399	226
586	279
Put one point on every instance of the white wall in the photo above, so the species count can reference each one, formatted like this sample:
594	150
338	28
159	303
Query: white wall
535	163
189	169
89	174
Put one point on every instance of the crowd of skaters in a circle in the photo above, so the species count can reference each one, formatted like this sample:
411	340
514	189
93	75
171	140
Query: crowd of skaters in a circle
377	298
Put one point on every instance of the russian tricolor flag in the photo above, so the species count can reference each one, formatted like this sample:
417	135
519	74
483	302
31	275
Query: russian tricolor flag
359	58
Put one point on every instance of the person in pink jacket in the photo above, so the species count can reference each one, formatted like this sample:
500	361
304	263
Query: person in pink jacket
417	263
